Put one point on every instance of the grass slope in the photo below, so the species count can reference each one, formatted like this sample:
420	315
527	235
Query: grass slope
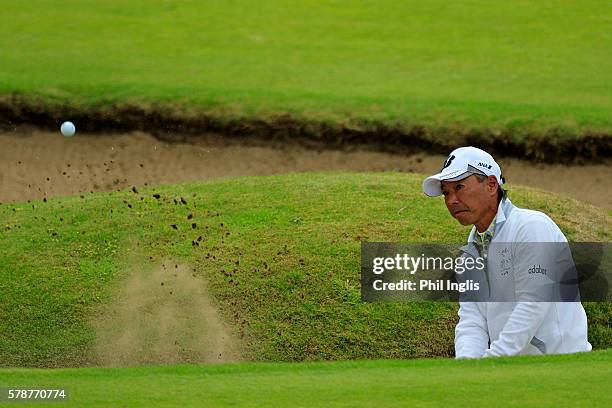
280	256
473	63
560	381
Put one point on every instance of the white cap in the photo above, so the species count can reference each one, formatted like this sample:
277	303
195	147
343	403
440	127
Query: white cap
461	163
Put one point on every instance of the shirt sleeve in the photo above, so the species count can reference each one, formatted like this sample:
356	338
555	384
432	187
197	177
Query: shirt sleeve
532	251
471	333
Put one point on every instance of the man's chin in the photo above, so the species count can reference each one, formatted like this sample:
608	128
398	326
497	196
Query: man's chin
463	218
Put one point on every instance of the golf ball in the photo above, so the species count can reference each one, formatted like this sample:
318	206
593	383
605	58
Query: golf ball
68	129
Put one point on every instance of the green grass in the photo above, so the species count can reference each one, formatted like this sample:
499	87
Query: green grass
497	65
559	381
280	256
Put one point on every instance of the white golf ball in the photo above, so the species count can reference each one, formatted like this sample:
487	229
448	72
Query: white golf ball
68	129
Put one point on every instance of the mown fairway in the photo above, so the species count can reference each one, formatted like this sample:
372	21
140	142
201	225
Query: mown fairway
557	381
279	255
510	65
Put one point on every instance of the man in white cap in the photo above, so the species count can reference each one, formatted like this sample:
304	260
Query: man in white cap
470	181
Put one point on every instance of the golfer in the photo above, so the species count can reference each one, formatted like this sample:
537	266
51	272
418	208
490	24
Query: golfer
470	182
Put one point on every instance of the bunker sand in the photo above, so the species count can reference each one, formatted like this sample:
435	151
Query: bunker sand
164	316
37	164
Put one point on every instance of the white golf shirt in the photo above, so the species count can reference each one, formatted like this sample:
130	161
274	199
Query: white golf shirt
487	329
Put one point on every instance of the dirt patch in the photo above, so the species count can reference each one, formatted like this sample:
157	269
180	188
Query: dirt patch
179	123
40	164
164	316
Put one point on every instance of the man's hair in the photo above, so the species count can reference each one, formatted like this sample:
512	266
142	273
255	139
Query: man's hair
501	193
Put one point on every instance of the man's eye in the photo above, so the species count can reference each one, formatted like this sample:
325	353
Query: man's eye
459	187
445	193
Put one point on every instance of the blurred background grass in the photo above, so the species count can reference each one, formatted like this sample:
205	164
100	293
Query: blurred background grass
511	65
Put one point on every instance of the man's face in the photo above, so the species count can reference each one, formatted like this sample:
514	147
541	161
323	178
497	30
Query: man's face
469	200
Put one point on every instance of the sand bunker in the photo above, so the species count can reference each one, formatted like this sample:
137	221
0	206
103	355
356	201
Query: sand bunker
37	164
163	316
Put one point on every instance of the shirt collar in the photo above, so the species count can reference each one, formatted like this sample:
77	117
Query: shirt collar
503	212
489	231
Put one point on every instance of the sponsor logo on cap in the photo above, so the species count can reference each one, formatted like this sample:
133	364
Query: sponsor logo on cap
485	165
448	162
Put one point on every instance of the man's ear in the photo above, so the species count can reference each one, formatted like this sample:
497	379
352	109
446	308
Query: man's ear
492	184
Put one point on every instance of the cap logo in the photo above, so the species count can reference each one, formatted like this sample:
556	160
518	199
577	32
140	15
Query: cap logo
448	162
486	166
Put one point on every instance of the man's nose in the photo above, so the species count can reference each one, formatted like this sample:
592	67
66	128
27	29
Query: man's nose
451	199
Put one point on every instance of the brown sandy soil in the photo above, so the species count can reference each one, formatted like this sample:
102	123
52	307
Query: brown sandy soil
162	316
38	164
